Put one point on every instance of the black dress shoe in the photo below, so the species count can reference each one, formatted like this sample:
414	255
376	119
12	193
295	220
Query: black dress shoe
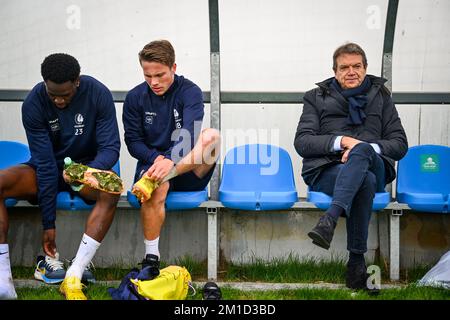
323	232
150	267
356	278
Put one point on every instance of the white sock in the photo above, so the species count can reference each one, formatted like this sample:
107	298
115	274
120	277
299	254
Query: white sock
86	251
172	174
152	246
7	290
5	264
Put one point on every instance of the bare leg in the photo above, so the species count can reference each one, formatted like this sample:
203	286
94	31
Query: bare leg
97	225
102	215
203	156
153	212
200	160
15	182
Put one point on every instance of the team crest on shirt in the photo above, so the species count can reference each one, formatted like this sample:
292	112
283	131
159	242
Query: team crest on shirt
79	126
177	119
79	118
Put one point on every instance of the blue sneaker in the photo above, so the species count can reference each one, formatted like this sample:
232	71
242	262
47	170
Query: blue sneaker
88	273
50	270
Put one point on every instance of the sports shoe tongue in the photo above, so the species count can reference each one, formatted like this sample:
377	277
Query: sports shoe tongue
50	258
51	261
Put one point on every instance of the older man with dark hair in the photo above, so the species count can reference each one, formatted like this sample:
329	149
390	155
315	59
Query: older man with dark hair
349	136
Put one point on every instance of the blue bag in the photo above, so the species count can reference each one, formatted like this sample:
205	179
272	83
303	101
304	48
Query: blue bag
126	290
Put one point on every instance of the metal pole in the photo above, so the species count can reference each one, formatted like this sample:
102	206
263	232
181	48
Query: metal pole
213	239
388	45
386	72
215	85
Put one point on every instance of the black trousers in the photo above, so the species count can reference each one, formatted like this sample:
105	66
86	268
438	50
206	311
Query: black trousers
352	186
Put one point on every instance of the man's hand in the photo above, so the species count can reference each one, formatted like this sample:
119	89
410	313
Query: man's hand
349	143
160	169
159	158
66	177
345	156
48	242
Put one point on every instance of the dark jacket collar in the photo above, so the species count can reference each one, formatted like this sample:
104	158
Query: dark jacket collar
325	86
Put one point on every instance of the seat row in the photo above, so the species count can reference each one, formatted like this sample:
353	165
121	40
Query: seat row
260	177
423	181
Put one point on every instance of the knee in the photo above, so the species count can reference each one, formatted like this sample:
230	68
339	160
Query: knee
157	202
108	200
363	148
210	136
159	196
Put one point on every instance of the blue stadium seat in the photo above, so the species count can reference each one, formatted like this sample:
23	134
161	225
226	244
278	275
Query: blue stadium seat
257	177
423	181
10	202
323	201
12	153
66	201
176	200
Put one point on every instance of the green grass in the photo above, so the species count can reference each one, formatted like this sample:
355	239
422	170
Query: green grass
287	270
284	270
309	270
414	274
99	292
51	292
408	293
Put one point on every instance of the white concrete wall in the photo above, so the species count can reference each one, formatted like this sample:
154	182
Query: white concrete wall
421	60
246	236
184	234
265	46
105	36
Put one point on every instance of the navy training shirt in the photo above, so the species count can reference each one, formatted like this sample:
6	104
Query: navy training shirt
165	125
85	130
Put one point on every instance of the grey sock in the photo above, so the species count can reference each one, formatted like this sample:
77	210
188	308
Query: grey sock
172	174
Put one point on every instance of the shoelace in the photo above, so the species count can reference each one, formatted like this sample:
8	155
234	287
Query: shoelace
90	266
72	287
194	292
54	264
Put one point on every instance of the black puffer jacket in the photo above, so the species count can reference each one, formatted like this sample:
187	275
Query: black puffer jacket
324	117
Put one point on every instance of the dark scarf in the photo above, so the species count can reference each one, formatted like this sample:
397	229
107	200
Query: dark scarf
357	100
